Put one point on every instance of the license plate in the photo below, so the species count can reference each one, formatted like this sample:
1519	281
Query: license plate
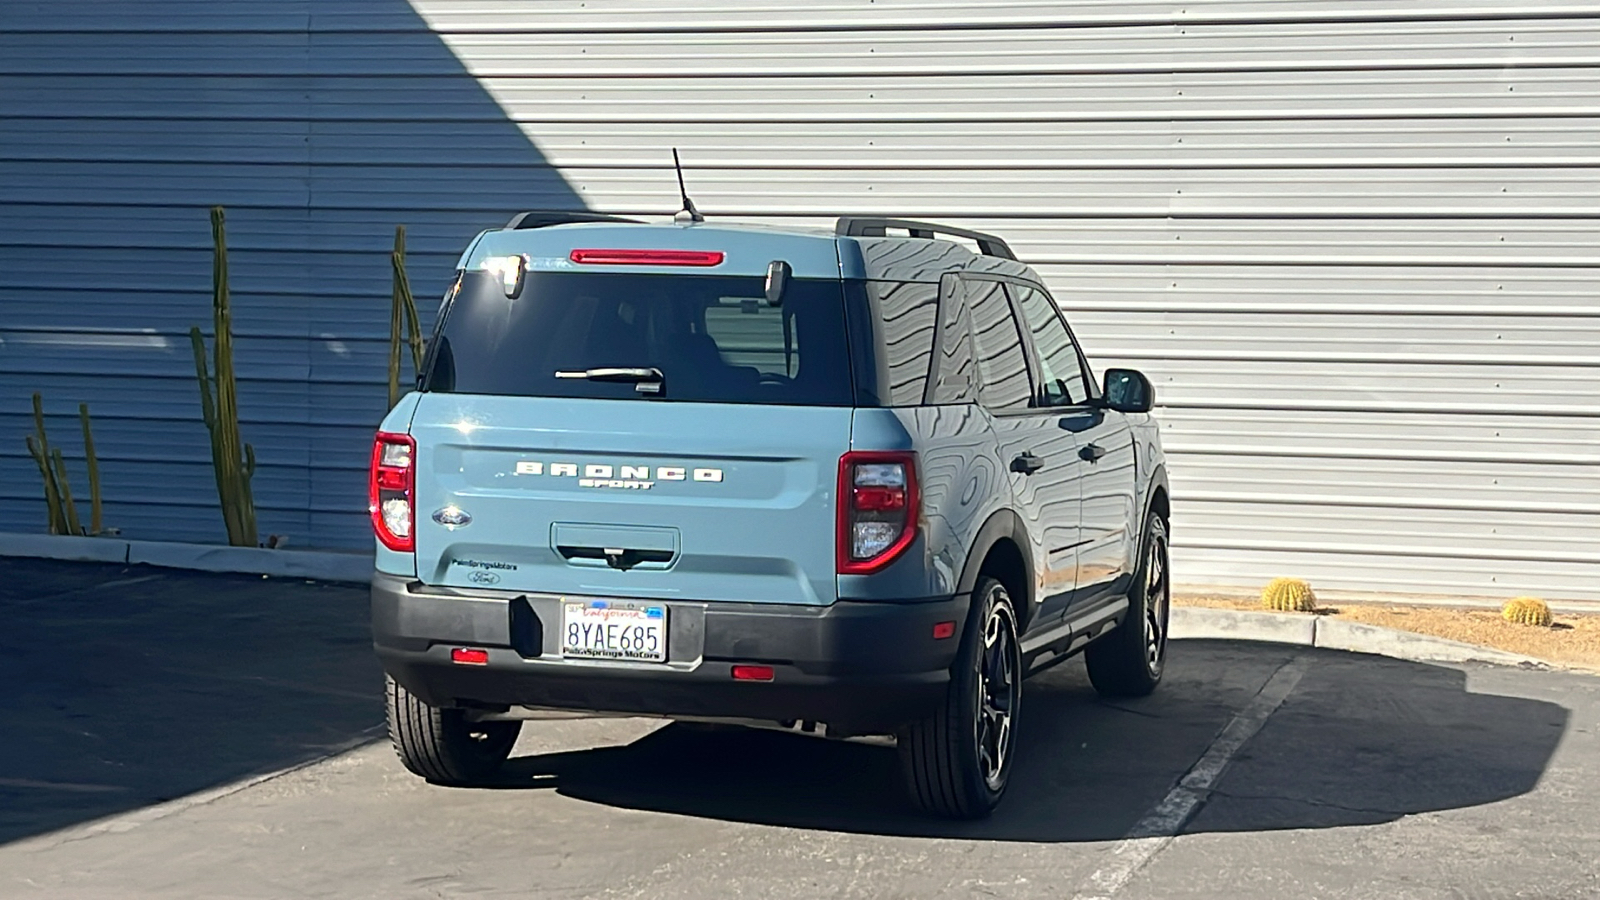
602	629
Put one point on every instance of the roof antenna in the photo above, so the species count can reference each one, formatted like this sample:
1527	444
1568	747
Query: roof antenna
688	213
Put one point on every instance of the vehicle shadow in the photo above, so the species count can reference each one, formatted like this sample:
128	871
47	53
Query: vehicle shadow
1362	740
127	687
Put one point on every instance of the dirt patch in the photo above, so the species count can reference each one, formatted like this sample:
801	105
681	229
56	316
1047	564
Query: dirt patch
1572	640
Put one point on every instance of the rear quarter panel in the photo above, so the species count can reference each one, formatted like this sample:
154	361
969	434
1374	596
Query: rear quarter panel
961	484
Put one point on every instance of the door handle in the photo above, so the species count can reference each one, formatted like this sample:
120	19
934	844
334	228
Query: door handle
1091	452
1027	464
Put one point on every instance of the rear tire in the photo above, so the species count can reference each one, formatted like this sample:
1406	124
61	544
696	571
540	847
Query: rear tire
441	745
1129	661
958	761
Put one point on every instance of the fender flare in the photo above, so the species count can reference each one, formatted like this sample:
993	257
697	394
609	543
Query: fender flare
1158	480
1002	524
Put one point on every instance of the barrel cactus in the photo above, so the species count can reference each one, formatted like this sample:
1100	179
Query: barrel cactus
1288	595
1527	611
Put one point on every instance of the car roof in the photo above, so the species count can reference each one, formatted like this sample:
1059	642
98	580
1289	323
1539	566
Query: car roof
748	249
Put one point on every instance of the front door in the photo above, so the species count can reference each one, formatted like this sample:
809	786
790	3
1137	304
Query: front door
1106	452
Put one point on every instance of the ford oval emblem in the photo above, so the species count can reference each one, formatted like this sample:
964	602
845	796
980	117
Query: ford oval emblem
479	576
452	517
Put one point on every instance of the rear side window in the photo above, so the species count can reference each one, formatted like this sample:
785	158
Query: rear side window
895	350
1002	364
714	338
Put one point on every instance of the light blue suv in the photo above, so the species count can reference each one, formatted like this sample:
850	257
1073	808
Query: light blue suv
850	483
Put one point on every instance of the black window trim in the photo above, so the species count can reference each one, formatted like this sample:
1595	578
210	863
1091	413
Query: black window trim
950	281
432	347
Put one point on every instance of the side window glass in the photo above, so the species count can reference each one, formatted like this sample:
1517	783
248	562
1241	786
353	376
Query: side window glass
1002	365
906	314
957	381
1058	356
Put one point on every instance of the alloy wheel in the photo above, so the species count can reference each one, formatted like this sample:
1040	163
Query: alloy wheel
999	692
1157	604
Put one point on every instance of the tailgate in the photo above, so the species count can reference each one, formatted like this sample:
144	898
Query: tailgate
692	501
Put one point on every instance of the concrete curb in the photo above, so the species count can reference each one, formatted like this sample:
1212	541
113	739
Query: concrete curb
320	565
1187	621
1192	622
60	546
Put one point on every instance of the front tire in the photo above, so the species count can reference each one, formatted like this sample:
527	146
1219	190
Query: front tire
441	745
1129	661
958	761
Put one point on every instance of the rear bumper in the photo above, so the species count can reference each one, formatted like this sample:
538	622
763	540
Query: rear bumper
858	666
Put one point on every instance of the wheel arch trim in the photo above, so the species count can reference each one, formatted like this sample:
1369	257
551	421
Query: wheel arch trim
1003	525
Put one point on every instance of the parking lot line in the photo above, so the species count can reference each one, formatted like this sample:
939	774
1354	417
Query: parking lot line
1161	824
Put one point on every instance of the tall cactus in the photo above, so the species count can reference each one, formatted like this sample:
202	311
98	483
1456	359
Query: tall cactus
68	508
97	523
61	510
219	402
402	313
39	449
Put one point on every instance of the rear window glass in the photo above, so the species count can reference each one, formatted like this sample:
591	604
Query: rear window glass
713	338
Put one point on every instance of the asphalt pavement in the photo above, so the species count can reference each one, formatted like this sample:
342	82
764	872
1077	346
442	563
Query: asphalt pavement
173	734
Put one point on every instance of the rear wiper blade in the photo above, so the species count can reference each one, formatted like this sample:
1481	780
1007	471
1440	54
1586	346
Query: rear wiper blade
646	380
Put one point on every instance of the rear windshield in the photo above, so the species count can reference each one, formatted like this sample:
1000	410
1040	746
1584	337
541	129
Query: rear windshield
713	338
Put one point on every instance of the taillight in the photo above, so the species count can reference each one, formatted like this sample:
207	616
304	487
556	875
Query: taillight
877	509
391	490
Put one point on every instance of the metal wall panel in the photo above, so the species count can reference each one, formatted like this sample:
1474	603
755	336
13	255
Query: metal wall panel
1351	241
320	126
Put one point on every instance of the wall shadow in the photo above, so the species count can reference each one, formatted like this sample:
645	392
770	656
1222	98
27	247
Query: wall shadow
126	687
1363	740
320	125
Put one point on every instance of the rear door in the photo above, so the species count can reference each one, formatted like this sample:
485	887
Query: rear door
1037	455
711	479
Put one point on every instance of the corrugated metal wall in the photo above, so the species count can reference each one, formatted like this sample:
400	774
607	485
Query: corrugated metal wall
1353	242
320	125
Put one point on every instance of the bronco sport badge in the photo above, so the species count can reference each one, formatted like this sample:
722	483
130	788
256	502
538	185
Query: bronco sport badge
635	478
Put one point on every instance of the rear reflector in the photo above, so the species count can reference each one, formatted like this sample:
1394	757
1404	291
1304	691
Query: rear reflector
469	656
649	257
943	630
752	673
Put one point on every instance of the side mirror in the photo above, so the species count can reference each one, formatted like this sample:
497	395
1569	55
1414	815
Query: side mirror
1128	391
778	274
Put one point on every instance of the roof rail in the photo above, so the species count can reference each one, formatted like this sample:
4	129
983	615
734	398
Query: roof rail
543	218
874	226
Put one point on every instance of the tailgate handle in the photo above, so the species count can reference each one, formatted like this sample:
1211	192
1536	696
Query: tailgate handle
616	557
622	547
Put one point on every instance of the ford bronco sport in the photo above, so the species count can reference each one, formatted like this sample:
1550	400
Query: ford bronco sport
851	483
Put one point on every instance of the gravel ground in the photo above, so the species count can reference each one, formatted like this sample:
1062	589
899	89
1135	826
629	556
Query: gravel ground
1572	640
